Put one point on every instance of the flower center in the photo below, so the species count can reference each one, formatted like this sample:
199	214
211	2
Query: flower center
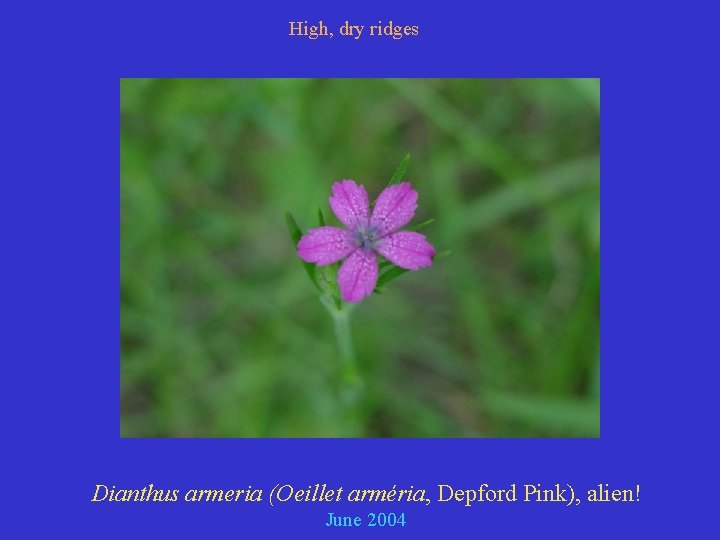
365	237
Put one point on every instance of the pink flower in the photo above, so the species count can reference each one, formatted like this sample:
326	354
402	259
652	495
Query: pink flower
367	235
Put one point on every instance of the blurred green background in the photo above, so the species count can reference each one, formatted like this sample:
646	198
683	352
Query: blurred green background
222	334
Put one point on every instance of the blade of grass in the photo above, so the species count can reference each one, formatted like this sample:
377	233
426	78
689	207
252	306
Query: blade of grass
475	142
546	187
589	89
571	417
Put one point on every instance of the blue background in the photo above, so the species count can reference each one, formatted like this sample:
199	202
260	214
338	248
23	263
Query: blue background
61	267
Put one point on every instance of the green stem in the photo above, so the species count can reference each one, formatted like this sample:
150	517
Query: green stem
350	381
350	375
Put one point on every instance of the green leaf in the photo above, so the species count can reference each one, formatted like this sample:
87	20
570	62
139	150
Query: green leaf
421	225
389	275
296	235
295	232
395	271
326	278
321	218
400	171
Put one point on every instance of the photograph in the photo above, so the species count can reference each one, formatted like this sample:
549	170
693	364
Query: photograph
359	258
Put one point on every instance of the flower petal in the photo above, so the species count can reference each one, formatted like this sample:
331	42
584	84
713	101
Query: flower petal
325	245
394	207
350	203
358	275
406	249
